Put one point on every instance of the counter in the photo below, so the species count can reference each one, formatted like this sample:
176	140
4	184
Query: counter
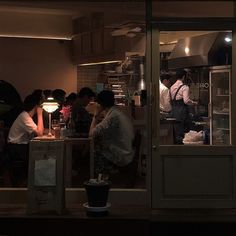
167	131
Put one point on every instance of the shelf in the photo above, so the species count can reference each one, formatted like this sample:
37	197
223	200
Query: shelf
220	113
116	83
222	95
225	129
119	96
120	74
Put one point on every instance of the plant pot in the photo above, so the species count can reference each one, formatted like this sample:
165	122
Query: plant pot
97	193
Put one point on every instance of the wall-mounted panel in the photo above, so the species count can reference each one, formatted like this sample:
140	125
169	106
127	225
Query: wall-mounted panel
199	177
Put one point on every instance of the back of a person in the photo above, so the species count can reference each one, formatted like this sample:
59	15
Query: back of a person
125	131
120	137
18	149
82	119
20	133
174	88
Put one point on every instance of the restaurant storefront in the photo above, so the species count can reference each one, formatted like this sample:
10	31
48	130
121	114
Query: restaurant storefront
179	176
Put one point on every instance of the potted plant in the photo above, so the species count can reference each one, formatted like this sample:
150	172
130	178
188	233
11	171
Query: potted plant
97	191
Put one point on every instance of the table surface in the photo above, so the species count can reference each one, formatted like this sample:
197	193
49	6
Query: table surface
45	138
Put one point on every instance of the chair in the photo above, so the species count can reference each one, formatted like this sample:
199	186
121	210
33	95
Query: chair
127	174
17	158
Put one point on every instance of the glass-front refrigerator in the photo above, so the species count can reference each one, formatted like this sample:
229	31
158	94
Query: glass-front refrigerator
220	105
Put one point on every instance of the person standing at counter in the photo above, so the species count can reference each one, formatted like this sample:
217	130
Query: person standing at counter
113	136
180	101
165	100
21	132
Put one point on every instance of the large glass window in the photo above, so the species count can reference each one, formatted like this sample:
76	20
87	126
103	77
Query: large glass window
195	87
103	45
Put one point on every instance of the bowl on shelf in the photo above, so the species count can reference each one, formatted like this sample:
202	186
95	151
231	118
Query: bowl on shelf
110	71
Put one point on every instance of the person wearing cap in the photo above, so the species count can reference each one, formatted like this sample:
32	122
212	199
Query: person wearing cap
181	101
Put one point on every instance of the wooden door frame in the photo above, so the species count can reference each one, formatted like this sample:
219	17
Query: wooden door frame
178	24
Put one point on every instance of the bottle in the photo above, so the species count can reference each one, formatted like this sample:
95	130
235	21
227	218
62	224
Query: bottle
63	132
62	123
70	125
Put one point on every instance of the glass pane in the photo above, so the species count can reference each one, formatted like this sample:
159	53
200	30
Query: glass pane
108	39
220	78
193	8
195	92
117	66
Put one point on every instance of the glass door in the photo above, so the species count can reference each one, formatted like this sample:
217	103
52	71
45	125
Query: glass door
187	174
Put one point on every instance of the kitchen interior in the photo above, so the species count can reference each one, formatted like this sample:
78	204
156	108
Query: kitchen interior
207	58
104	49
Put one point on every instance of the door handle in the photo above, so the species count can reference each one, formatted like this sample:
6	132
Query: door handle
154	109
154	147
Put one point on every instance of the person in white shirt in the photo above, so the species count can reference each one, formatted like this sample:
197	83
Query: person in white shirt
21	132
180	101
165	100
113	136
24	129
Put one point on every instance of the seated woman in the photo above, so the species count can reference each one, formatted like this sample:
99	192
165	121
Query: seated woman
113	136
21	132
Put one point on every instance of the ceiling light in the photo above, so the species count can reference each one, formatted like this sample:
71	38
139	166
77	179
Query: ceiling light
228	39
186	50
50	105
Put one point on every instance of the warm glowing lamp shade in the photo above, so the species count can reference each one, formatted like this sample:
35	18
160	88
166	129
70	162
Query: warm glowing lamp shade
50	106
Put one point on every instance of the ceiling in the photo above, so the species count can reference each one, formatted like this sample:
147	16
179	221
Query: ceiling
53	19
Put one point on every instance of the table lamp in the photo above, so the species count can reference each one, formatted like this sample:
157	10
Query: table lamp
50	105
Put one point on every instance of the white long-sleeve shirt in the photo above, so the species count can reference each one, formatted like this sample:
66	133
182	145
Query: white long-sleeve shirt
183	93
165	104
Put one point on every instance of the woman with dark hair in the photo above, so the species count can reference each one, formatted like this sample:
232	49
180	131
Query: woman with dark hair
113	136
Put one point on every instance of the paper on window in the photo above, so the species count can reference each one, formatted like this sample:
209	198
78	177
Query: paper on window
45	172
